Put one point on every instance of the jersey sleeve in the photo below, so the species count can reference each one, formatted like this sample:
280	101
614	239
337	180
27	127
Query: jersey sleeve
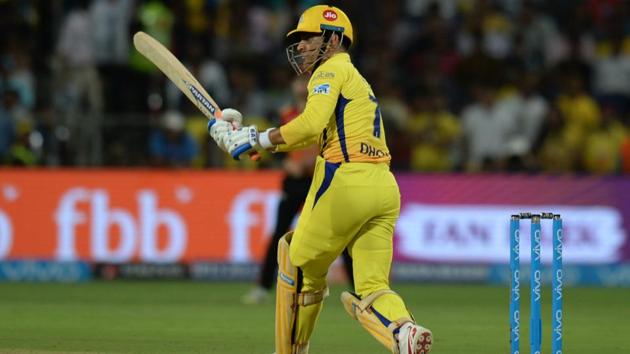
297	146
323	92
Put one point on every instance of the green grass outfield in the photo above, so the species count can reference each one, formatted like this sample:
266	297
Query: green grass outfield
201	317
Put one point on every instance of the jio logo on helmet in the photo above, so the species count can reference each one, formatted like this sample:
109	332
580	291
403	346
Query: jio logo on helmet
330	15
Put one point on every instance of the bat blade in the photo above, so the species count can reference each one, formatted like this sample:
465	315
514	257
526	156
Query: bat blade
161	57
177	73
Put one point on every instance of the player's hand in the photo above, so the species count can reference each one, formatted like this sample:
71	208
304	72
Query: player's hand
218	130
231	119
241	141
233	116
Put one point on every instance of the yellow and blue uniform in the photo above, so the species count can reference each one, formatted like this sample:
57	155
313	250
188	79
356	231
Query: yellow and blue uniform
354	200
341	114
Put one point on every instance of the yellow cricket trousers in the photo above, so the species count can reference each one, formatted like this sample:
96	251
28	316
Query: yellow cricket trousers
352	205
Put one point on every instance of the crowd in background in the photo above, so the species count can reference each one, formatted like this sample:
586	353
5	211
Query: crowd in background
463	85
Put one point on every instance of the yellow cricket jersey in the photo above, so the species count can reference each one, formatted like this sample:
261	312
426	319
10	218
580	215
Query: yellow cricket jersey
341	114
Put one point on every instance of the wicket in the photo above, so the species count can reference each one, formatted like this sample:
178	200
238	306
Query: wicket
535	283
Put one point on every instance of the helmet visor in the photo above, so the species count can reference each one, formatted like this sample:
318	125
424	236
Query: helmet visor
303	61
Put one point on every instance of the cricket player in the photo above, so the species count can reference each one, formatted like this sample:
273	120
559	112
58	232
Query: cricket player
353	201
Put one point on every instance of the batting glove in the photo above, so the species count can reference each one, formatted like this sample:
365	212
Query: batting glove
246	140
231	119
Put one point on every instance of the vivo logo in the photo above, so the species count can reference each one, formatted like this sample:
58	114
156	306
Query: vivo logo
516	293
536	288
517	249
558	329
558	247
536	248
516	331
43	271
137	231
558	289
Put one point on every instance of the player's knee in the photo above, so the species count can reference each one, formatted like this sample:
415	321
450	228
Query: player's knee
298	257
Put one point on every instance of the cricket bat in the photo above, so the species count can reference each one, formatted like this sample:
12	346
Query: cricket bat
161	57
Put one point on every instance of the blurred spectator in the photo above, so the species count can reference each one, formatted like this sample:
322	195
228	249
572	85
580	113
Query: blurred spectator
556	153
80	93
570	54
624	153
19	76
497	29
110	27
580	111
417	8
434	132
7	122
532	110
576	53
478	66
259	24
22	152
487	124
156	19
247	96
394	108
111	20
144	84
603	145
171	145
537	30
612	77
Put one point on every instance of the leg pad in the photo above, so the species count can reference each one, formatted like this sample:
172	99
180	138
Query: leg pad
380	328
289	299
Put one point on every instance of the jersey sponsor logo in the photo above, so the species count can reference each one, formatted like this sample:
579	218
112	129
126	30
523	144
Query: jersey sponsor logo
323	89
324	75
330	15
371	151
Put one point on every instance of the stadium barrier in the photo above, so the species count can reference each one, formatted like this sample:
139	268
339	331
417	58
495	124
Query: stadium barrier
221	220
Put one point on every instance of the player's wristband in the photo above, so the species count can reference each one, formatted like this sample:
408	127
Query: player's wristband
263	140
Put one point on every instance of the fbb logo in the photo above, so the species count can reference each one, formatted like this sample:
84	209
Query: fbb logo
137	236
330	15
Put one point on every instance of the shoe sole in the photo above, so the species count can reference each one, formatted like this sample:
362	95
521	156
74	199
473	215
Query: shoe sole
424	341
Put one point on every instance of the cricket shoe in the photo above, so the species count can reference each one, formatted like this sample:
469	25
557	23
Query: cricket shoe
414	339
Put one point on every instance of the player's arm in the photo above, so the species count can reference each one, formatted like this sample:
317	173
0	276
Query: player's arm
323	93
284	147
324	90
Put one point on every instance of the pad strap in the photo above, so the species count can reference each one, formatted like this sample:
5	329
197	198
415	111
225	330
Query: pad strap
310	298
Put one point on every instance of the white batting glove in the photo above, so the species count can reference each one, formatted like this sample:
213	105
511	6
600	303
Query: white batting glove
218	130
233	116
245	140
231	119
